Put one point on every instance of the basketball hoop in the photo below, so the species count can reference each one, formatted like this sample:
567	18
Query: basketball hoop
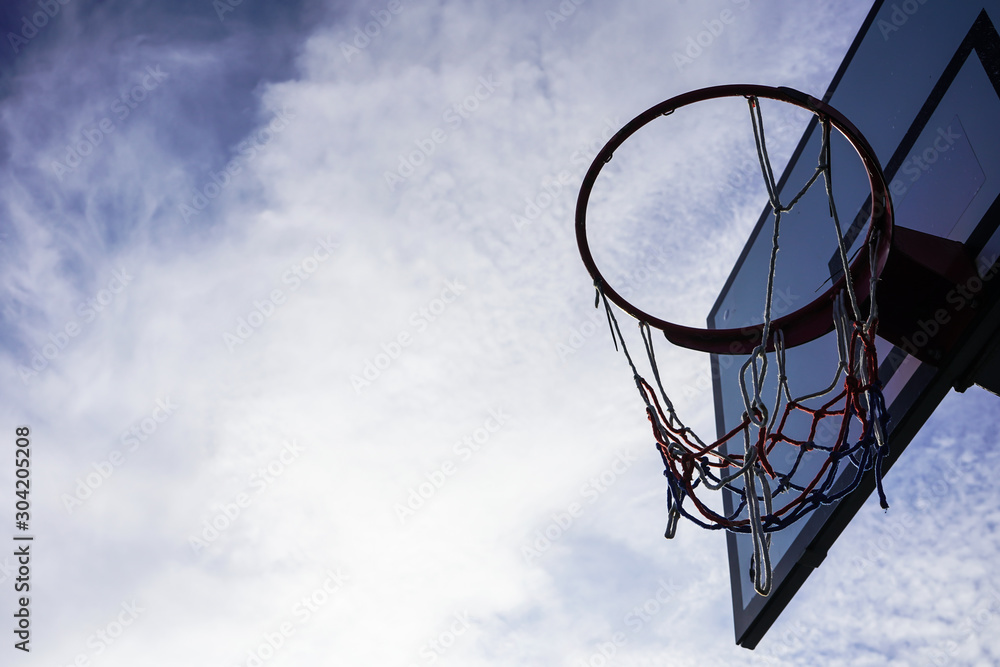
854	395
805	324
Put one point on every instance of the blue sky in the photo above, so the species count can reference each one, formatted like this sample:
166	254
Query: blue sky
292	343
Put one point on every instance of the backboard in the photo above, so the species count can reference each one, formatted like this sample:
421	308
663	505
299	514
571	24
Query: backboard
922	83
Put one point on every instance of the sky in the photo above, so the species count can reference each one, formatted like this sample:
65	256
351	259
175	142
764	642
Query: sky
294	315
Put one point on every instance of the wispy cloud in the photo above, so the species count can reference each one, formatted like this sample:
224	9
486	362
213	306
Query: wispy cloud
356	279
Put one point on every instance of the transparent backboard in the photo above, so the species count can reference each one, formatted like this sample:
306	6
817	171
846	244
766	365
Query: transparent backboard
922	83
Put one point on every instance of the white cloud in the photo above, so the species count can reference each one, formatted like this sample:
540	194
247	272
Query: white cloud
531	101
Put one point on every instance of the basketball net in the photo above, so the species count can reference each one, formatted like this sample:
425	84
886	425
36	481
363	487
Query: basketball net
767	497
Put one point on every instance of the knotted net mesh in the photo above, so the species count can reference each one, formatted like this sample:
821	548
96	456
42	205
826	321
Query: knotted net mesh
849	413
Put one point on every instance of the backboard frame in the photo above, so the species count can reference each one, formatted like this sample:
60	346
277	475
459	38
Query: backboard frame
912	409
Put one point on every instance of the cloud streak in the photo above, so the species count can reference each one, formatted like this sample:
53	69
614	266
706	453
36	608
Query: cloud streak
353	272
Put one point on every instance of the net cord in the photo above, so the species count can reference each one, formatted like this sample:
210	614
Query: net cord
684	454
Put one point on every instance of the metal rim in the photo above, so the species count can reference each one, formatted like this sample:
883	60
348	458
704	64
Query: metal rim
810	321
